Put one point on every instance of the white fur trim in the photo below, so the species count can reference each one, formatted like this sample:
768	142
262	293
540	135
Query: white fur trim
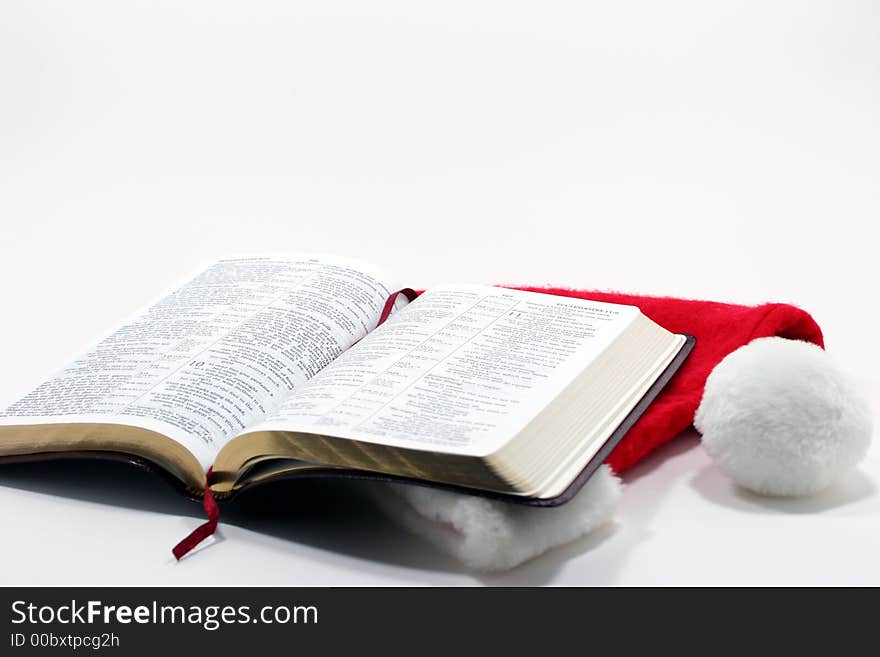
492	535
780	419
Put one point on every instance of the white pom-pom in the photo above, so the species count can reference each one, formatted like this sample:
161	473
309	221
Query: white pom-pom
780	419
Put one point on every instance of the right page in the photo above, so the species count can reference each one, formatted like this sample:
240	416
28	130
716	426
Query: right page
460	370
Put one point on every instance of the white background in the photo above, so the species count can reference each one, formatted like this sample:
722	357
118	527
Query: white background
715	150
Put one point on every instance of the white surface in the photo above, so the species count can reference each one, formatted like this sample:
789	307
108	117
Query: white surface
721	150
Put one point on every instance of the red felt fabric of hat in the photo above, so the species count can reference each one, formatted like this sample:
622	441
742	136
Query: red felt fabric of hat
719	328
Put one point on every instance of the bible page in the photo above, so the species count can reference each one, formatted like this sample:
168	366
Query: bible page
460	370
217	354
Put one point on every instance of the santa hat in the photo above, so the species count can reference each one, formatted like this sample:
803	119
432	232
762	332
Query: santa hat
774	412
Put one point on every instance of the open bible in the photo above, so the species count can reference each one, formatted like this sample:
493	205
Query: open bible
263	368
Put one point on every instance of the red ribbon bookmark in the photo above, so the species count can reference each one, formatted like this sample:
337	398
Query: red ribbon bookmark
204	530
409	293
212	511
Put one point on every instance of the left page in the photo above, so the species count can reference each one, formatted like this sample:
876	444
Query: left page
217	354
